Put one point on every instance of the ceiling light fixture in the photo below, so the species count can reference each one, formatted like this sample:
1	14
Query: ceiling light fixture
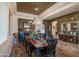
36	9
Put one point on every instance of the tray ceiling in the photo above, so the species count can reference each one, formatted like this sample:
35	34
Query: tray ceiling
28	7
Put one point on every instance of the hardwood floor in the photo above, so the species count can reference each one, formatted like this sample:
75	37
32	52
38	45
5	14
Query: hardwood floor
18	51
64	49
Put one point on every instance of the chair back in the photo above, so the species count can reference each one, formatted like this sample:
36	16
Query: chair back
52	43
50	49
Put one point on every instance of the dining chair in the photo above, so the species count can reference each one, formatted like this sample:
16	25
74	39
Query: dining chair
50	49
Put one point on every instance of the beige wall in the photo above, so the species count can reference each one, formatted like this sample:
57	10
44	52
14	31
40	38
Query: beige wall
4	22
62	19
5	41
13	24
67	18
54	28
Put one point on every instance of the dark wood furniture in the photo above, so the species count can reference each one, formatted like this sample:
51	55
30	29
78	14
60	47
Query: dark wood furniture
69	38
35	46
69	32
38	43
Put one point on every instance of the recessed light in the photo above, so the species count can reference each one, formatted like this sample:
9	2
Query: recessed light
36	9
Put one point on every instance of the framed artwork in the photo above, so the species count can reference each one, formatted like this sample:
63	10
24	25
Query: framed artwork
74	26
26	25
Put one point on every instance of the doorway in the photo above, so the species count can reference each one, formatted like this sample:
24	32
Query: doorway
54	29
26	25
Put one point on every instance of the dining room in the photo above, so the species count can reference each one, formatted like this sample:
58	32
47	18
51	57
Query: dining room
39	29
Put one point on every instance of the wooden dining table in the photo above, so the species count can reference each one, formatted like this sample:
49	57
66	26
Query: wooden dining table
38	44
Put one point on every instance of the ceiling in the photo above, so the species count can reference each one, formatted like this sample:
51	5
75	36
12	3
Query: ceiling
60	9
28	7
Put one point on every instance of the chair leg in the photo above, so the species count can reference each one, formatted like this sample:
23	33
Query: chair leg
54	52
37	51
29	52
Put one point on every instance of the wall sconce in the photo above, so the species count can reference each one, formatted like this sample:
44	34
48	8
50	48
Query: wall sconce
38	22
